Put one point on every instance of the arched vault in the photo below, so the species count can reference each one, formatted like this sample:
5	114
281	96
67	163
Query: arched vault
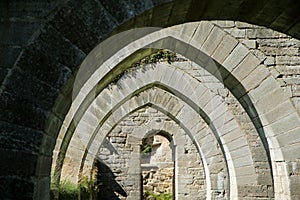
233	64
44	43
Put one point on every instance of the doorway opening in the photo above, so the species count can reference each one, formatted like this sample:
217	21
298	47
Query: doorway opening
157	167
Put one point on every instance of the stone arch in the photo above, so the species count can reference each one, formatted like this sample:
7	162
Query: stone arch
213	157
284	18
135	85
178	140
118	115
245	100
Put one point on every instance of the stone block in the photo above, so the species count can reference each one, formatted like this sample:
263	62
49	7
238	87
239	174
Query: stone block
264	179
236	144
291	151
201	34
236	33
225	47
57	48
270	101
18	138
283	125
289	137
8	56
187	30
259	54
251	44
96	17
18	33
53	125
279	43
235	57
232	135
287	60
296	90
244	171
16	110
262	33
242	25
247	180
267	86
213	40
296	102
271	51
28	9
280	110
248	64
227	125
224	24
288	70
269	61
255	77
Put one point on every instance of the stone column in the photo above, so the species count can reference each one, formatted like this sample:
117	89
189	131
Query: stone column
134	170
175	180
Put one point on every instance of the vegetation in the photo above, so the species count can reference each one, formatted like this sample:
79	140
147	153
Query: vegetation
68	190
146	148
148	195
162	55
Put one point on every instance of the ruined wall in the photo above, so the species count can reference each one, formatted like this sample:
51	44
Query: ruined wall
115	156
157	165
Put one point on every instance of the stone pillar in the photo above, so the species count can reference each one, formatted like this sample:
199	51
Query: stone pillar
175	180
134	170
181	174
189	173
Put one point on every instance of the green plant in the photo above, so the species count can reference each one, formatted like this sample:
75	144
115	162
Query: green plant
146	148
150	195
164	196
87	188
161	55
68	190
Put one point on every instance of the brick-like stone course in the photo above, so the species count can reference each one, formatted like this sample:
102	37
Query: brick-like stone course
278	51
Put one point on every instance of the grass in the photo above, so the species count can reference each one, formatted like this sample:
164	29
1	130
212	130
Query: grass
69	191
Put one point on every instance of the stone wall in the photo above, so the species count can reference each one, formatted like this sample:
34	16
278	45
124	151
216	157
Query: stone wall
116	154
278	51
157	165
43	43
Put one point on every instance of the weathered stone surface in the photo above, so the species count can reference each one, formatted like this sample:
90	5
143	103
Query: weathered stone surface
237	33
41	66
19	138
30	89
26	87
287	60
121	10
16	111
262	33
67	22
213	40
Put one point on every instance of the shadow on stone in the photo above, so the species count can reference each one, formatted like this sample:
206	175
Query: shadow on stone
109	187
